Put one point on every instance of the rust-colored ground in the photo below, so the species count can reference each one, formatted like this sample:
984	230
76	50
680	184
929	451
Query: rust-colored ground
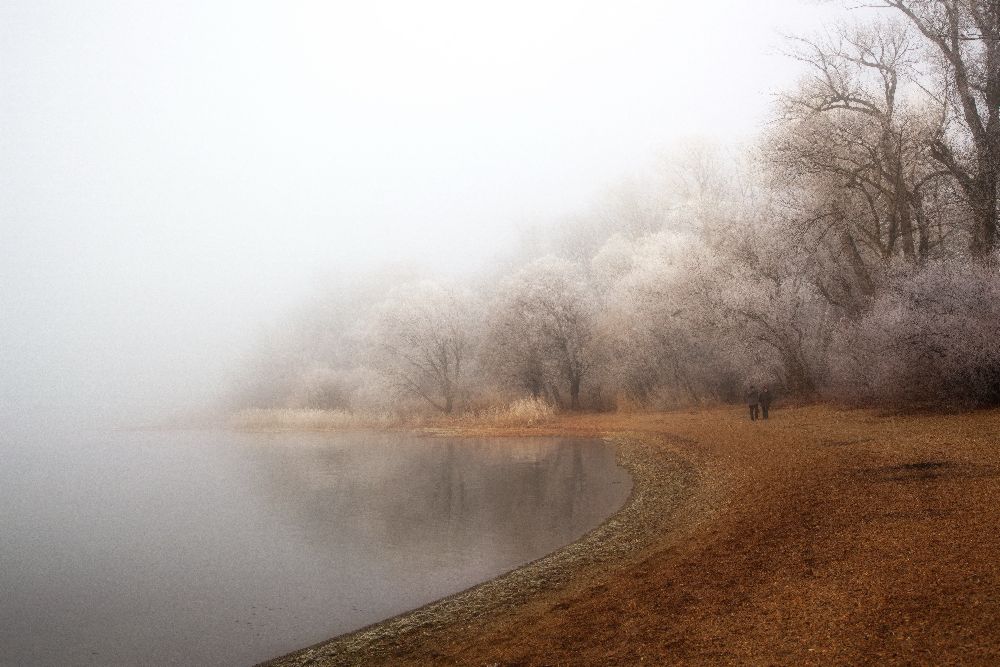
818	537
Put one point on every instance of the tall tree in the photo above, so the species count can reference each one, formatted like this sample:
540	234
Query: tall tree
421	341
542	330
850	120
966	33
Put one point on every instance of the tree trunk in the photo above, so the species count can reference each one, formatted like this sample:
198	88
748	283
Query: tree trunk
901	204
799	379
905	224
862	277
984	211
923	229
574	393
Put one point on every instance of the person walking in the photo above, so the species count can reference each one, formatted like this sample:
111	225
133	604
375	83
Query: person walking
752	400
765	401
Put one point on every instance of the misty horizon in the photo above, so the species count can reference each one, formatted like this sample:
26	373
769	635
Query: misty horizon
590	333
176	180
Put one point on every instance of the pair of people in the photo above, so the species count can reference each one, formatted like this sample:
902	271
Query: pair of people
759	402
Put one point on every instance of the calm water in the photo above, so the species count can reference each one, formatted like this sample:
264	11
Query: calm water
216	548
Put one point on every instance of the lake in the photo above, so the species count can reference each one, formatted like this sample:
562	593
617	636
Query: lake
223	548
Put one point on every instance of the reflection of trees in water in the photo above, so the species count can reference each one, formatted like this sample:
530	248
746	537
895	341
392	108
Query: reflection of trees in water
512	498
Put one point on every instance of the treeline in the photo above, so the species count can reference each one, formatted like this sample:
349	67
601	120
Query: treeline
849	254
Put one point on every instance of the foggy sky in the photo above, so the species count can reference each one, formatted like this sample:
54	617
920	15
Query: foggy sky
173	175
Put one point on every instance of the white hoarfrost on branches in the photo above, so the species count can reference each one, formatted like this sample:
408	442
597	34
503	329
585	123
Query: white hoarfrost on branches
932	338
849	254
541	331
422	340
656	351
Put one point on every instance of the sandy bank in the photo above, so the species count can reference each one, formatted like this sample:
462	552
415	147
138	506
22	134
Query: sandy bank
819	537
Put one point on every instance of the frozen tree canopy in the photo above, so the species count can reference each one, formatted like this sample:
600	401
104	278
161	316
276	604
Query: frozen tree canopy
850	253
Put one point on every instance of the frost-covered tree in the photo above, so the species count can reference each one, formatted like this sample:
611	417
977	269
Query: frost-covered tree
656	354
540	334
421	340
830	259
859	123
965	36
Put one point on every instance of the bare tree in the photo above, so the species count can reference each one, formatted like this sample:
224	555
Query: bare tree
421	339
851	120
647	328
542	330
966	34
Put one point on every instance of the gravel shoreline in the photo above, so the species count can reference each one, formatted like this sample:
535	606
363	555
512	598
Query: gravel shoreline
662	479
821	536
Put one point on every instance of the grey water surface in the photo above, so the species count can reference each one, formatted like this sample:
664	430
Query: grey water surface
221	548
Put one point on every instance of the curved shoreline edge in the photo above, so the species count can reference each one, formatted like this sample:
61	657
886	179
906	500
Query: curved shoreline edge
663	478
822	536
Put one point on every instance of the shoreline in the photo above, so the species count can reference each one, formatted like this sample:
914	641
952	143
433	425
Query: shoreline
822	536
660	484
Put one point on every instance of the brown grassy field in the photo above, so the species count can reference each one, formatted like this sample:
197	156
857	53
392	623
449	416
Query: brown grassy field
821	536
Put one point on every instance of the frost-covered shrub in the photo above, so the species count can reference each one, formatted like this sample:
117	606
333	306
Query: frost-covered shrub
932	337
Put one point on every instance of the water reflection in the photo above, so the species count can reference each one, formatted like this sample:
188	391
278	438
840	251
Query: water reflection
441	497
220	548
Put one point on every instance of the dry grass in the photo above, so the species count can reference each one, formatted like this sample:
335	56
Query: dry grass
522	412
822	536
519	413
291	419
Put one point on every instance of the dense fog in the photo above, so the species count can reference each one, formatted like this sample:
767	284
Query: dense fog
392	209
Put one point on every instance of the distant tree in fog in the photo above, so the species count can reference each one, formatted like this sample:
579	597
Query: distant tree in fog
421	340
656	355
833	258
702	181
541	331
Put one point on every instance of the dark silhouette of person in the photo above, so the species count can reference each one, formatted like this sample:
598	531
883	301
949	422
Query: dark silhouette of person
752	400
765	401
